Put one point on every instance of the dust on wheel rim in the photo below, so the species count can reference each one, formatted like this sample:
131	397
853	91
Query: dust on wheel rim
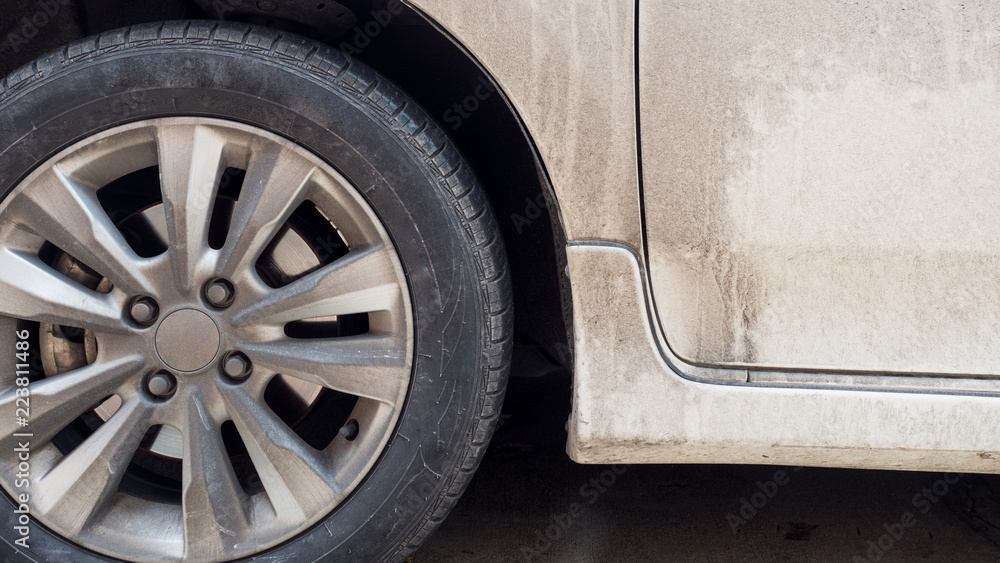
76	493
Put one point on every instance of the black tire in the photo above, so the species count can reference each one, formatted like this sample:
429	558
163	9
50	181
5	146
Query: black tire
413	177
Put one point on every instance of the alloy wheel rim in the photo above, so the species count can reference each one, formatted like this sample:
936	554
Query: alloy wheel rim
171	362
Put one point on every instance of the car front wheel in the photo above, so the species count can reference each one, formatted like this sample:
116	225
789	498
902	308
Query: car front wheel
258	304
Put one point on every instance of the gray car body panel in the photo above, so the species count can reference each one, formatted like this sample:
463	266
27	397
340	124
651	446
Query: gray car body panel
817	187
820	183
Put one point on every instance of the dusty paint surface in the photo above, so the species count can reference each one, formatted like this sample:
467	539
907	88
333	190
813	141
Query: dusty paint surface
568	68
822	182
629	407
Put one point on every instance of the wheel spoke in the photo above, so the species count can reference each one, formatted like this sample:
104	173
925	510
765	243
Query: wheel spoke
191	164
294	475
33	291
275	183
363	281
57	401
69	216
215	506
83	482
368	365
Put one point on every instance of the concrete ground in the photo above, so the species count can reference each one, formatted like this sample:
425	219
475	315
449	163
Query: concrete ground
529	502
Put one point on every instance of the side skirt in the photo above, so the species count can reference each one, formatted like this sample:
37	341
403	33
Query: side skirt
635	403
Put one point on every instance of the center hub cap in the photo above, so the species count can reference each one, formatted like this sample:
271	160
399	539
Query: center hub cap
187	340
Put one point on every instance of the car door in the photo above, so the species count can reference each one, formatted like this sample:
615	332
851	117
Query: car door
820	182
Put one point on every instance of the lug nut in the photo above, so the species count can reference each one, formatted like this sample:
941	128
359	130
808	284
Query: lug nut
220	293
143	310
350	430
161	384
236	365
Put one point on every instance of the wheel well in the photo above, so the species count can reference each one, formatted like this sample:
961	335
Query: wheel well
447	81
433	69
